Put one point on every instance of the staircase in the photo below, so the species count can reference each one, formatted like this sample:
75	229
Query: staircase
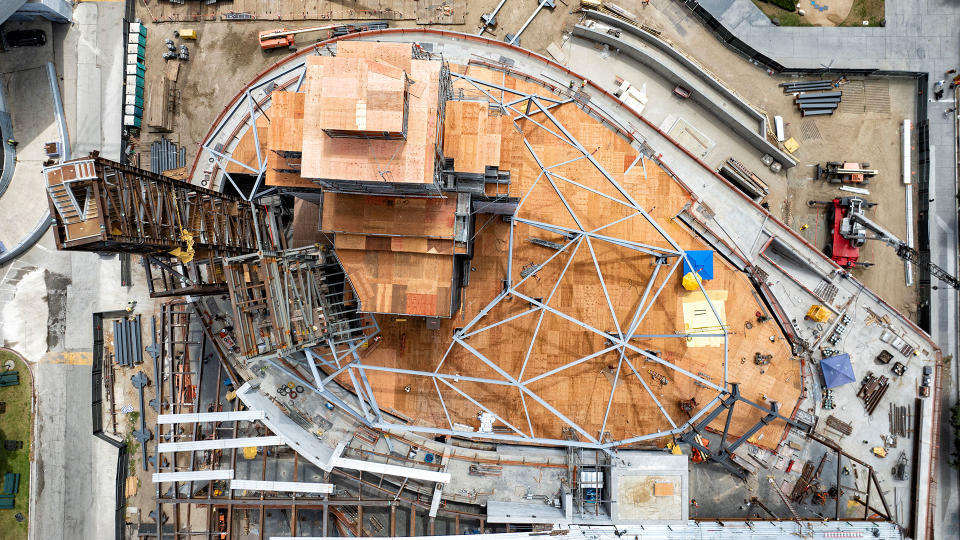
65	204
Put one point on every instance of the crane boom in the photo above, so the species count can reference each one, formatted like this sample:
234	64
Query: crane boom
904	251
281	33
907	253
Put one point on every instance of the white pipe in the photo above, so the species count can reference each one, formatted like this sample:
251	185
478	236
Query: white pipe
908	195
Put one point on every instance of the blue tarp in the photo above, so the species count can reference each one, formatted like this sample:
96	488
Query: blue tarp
702	262
837	370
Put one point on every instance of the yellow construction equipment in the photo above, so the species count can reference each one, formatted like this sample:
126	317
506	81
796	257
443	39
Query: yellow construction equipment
791	145
818	313
187	33
249	452
185	255
691	281
879	451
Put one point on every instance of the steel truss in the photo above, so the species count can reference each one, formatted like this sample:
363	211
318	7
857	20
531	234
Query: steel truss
293	300
102	205
525	107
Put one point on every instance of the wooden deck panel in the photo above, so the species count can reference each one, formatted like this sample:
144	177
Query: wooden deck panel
363	214
581	392
399	282
246	151
411	160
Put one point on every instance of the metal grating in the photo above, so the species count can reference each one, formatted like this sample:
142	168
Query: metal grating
854	99
877	95
809	130
827	291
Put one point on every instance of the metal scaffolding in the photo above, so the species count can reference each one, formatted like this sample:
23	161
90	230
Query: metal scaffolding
183	231
295	299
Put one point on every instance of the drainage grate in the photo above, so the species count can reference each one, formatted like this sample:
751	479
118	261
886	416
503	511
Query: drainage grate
809	130
853	98
877	94
826	291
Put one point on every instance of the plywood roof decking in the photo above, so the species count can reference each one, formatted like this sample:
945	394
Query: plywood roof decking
405	244
581	392
471	136
246	151
399	55
285	134
404	161
398	252
366	214
360	95
286	127
399	282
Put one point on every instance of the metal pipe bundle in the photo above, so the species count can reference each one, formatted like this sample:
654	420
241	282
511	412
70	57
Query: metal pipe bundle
127	342
164	155
818	103
804	86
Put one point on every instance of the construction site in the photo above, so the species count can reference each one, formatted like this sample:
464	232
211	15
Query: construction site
505	268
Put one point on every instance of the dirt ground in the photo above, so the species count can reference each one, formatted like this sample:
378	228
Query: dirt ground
227	55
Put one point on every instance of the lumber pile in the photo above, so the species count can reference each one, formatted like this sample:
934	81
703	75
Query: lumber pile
161	105
872	391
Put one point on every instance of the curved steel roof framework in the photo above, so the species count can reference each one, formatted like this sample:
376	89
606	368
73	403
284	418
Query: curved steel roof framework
289	75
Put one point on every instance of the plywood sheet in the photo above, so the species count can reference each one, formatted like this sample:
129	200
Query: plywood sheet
363	214
405	161
246	149
399	282
471	136
359	95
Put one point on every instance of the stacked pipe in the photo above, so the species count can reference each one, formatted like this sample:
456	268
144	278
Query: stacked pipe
806	86
818	103
814	98
127	342
165	156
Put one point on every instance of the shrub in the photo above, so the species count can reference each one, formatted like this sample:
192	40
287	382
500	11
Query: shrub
789	5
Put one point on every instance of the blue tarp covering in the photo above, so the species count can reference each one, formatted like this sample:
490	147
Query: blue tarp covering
702	261
837	370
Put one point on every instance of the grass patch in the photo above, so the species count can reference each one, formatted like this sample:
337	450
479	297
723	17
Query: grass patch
783	16
16	424
871	11
133	424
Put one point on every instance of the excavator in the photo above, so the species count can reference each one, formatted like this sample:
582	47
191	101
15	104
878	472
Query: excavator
850	226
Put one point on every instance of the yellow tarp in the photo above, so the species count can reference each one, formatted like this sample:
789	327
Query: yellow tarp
698	318
791	145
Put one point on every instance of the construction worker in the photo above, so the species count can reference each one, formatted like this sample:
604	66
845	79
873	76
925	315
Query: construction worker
804	227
